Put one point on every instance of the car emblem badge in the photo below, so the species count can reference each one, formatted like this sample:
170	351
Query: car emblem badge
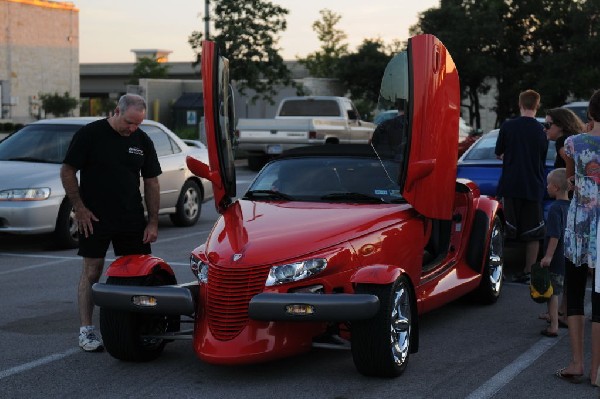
237	257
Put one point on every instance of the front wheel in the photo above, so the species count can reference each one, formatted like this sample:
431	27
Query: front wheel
187	210
132	336
65	233
381	345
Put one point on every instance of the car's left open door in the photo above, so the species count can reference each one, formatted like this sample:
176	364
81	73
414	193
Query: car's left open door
219	119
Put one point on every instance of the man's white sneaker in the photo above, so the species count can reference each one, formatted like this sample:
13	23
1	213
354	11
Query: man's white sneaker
89	341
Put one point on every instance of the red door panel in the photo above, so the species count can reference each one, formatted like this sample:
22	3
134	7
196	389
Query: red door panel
435	110
218	123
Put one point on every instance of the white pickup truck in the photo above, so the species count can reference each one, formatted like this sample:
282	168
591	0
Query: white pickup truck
302	121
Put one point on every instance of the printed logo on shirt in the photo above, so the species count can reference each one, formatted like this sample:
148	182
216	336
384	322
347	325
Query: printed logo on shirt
135	150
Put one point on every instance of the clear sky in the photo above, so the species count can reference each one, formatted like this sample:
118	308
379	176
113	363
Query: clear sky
110	29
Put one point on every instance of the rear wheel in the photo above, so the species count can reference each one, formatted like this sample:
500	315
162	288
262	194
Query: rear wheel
65	233
132	336
493	269
381	345
187	210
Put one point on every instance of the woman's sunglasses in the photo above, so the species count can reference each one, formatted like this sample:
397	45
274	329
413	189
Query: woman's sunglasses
547	125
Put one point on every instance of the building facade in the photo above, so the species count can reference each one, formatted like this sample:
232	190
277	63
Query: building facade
39	54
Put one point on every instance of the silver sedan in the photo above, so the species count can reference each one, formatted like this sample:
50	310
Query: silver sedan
33	201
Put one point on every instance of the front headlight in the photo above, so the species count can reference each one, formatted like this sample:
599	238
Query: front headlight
200	269
25	194
295	271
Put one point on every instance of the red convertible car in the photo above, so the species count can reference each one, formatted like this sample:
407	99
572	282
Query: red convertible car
337	245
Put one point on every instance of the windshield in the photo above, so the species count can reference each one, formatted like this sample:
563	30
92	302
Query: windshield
328	179
38	143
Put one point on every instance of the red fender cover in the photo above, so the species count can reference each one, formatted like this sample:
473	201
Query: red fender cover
137	265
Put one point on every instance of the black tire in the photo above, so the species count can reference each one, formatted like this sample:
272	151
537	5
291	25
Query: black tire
381	345
189	205
255	163
128	336
492	273
65	232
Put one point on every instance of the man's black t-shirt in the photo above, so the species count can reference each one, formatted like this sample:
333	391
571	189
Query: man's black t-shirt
110	167
524	145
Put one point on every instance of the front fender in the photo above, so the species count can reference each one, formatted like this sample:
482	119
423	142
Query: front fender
137	265
376	274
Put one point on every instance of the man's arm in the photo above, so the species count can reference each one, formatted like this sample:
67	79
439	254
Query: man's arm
68	176
152	199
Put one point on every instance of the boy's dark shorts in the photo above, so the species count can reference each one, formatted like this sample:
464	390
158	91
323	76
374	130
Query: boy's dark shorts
124	243
524	219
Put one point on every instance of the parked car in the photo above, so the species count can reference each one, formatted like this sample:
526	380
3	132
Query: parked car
338	245
300	121
32	198
479	164
580	108
194	143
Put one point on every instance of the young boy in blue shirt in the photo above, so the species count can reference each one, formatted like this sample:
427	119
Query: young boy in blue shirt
554	257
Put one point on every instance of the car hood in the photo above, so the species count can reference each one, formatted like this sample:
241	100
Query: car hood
17	174
260	233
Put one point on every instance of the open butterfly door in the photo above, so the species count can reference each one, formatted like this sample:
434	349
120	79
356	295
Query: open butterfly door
219	119
429	177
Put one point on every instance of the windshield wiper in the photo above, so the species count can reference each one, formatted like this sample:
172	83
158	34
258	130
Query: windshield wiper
352	197
31	159
270	194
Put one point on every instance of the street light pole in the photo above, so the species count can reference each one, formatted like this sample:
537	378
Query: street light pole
206	20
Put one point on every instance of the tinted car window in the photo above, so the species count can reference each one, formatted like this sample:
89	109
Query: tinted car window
163	144
38	143
484	149
310	108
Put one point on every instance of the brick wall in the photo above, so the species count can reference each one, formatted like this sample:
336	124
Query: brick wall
39	53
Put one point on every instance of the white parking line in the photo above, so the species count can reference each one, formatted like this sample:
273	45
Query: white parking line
38	362
492	386
60	260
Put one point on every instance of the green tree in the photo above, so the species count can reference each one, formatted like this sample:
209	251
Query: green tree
247	34
361	73
547	45
458	24
323	63
147	67
58	105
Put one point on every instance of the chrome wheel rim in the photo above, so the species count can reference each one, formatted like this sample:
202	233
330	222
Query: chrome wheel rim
496	258
73	228
400	325
191	203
